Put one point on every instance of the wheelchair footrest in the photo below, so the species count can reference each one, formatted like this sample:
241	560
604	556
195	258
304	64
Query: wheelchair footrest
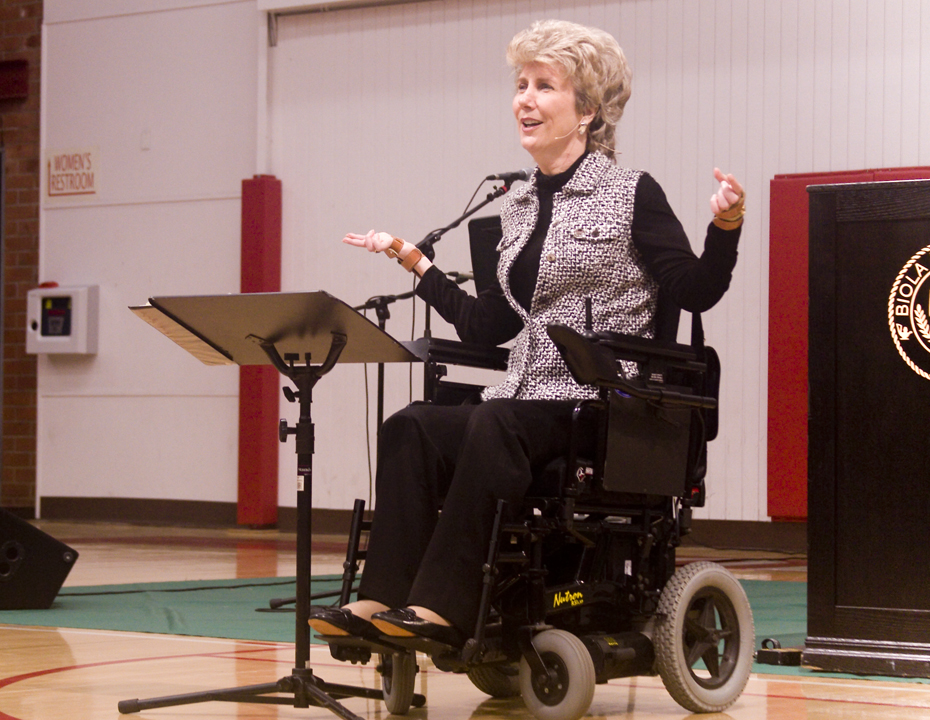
346	648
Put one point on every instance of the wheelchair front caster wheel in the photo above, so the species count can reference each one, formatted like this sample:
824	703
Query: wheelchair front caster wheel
570	689
398	673
704	637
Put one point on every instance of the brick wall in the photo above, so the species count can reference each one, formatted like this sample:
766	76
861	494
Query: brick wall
20	39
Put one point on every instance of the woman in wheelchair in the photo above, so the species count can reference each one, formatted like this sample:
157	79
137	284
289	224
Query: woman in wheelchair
581	228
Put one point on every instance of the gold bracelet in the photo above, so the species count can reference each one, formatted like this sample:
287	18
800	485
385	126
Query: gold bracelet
394	249
739	217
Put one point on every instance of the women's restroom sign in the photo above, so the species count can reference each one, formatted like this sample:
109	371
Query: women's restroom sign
72	172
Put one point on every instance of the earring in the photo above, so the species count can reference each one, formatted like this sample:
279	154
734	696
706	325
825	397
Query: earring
581	127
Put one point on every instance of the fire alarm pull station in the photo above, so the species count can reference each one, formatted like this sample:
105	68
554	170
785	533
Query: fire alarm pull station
62	320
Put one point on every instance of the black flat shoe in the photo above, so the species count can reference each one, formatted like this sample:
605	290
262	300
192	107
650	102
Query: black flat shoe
403	622
339	621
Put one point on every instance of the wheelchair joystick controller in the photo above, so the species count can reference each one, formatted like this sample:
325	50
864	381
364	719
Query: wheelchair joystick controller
589	320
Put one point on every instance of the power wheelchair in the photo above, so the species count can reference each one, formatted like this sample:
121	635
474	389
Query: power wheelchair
580	584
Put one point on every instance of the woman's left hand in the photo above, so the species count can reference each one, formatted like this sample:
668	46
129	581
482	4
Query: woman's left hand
728	203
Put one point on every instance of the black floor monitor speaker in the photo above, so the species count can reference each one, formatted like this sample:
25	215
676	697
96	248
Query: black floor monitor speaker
33	565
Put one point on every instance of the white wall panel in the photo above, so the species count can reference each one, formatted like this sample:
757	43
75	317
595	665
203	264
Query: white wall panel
180	82
142	418
138	447
67	11
910	78
921	63
134	252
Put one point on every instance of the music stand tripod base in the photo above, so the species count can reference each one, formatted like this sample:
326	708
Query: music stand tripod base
252	329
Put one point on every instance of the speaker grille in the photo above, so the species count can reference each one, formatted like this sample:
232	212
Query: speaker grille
11	555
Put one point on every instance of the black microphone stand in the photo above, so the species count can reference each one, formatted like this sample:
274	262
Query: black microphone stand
380	304
426	244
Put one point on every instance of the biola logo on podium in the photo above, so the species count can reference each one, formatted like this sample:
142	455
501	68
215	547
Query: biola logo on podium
909	313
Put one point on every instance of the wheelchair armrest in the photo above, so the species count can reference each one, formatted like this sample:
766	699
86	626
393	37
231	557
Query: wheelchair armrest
592	360
437	353
454	352
642	350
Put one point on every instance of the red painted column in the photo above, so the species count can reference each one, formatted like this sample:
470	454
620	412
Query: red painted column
259	386
787	362
788	341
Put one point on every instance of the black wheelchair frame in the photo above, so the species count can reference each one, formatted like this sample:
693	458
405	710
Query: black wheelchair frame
581	584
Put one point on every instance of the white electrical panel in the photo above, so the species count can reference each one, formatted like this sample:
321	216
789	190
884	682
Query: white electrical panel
62	320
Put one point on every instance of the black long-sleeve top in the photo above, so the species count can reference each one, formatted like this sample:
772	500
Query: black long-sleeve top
692	283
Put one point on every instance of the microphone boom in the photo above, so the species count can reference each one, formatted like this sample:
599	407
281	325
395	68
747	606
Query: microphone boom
508	177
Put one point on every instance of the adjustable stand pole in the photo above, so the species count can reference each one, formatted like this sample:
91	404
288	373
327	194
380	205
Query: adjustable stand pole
302	684
426	244
383	315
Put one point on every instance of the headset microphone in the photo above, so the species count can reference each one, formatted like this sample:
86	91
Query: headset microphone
580	127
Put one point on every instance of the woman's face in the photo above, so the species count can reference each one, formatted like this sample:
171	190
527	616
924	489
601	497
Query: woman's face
547	121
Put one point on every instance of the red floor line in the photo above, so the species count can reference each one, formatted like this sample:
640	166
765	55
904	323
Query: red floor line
805	698
226	654
808	698
207	542
276	661
5	682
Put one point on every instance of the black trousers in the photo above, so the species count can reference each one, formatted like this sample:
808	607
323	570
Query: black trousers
464	459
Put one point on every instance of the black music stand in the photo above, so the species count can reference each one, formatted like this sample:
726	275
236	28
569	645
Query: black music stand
284	330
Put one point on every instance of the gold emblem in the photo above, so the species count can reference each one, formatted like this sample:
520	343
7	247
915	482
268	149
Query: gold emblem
909	313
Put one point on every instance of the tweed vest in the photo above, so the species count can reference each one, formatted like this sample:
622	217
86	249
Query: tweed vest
588	253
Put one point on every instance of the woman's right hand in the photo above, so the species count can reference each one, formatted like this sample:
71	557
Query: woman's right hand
409	256
374	241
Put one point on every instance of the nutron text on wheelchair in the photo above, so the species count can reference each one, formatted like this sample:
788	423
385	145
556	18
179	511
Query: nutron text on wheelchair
580	584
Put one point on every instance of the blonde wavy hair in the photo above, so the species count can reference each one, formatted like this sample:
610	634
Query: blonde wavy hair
594	63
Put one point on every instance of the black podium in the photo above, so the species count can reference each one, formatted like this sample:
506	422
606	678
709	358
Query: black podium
869	454
289	331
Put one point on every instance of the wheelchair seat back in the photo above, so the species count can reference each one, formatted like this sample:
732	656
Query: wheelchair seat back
647	447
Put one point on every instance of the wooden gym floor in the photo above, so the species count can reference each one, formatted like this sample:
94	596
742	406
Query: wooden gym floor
51	674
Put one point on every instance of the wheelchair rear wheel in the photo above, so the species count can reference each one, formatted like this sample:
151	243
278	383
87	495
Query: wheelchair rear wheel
704	637
498	681
398	674
570	690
